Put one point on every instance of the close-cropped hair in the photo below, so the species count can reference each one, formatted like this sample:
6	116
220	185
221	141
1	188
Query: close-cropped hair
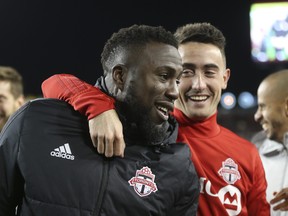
134	37
12	76
202	33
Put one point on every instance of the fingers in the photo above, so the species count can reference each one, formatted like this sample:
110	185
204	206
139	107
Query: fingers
109	146
99	144
119	147
114	147
106	133
280	200
283	194
283	206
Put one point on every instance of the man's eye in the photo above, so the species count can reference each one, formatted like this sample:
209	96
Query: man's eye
209	73
164	76
187	73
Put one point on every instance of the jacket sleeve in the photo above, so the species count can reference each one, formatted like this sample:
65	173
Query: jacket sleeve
87	99
11	181
256	199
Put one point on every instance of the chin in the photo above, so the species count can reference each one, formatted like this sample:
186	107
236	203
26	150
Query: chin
198	116
159	124
272	137
154	132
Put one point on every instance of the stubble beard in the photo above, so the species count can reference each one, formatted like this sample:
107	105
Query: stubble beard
136	113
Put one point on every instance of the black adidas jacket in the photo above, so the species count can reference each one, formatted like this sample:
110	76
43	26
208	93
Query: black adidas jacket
48	167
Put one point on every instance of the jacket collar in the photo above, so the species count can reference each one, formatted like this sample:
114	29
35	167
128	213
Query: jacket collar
267	147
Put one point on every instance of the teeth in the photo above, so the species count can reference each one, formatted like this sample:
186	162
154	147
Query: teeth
198	98
163	109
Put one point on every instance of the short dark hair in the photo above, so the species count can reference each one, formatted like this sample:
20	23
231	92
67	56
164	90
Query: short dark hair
11	75
135	36
202	33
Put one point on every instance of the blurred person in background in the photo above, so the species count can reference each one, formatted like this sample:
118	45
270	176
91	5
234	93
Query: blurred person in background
11	93
272	141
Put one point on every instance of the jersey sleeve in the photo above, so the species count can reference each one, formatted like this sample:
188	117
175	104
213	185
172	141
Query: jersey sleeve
85	98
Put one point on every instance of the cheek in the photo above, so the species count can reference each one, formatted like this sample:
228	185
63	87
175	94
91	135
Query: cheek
218	84
272	114
214	87
156	90
147	93
184	85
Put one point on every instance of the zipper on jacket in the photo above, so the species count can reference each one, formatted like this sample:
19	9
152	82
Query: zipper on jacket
104	182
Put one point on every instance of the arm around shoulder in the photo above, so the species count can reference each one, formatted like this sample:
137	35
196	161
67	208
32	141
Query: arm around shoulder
85	98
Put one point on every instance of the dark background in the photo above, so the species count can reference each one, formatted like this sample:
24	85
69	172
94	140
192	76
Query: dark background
43	37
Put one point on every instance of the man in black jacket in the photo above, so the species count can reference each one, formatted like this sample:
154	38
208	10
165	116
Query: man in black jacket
48	165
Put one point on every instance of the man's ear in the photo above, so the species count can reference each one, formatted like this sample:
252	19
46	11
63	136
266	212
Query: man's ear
20	101
119	75
226	76
286	106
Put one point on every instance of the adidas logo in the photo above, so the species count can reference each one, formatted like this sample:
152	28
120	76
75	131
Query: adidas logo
63	151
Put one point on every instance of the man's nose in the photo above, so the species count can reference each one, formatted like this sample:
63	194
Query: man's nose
198	82
173	92
257	115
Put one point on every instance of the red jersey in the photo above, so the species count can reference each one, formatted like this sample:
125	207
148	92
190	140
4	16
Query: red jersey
231	174
229	167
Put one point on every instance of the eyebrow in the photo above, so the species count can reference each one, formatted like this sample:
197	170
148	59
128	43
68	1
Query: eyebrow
191	65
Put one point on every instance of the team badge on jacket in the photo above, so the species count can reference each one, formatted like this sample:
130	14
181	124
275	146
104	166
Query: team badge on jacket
143	182
229	171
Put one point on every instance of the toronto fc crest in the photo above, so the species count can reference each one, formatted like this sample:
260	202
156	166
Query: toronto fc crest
229	171
143	182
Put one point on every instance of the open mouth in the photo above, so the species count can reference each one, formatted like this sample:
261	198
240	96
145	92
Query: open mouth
163	111
264	126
